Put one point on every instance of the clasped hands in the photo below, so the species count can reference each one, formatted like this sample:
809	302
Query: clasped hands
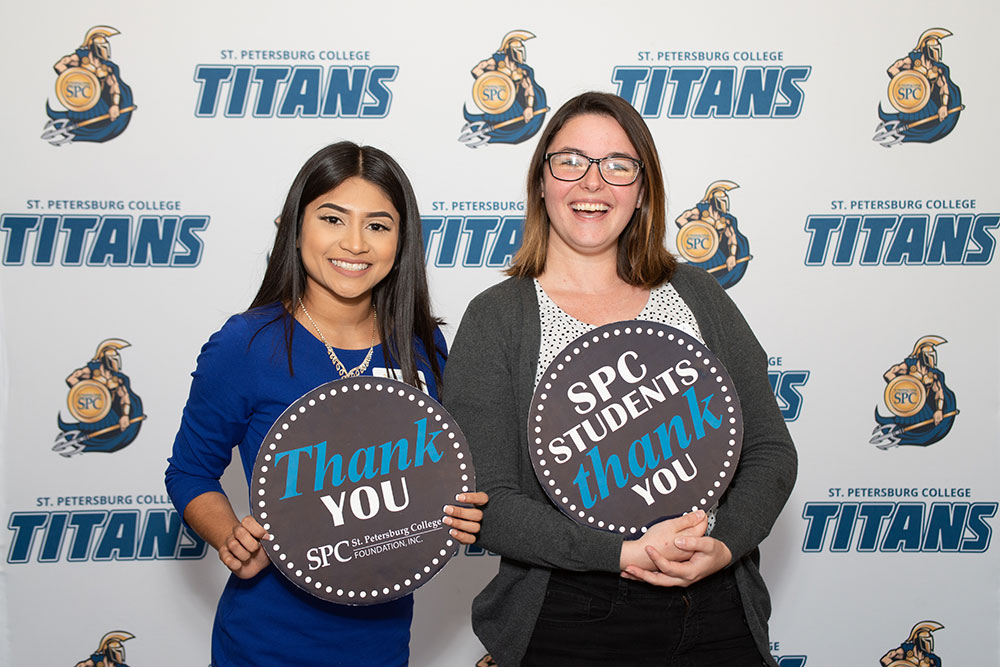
675	552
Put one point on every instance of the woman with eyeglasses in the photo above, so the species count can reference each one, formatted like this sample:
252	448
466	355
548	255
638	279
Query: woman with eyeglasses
689	591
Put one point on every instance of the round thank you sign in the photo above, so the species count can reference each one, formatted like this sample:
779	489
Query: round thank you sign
351	482
633	422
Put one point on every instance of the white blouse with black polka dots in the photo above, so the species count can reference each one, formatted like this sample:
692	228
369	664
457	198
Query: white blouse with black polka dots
559	329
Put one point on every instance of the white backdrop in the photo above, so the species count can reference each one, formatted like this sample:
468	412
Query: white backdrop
79	557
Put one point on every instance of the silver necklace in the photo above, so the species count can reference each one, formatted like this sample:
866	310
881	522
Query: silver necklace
344	373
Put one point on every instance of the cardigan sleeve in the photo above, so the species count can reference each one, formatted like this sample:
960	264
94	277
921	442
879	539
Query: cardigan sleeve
480	391
767	467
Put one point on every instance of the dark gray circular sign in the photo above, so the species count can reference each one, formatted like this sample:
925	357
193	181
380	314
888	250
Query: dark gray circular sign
633	422
351	482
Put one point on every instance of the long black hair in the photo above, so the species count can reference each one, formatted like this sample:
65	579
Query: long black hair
401	298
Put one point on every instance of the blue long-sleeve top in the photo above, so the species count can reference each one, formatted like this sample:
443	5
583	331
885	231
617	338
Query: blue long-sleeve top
240	387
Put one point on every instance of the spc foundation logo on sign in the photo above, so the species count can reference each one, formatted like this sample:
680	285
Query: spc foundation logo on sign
108	413
98	103
110	651
917	650
709	236
926	100
922	407
512	103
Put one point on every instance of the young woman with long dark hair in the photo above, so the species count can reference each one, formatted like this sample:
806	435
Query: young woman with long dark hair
344	294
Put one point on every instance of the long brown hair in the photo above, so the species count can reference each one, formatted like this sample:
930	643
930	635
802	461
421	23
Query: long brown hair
643	260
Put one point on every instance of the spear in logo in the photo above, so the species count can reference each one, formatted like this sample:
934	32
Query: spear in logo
476	134
890	132
886	436
71	442
60	131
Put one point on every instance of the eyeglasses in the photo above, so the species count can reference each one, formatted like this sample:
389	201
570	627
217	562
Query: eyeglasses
615	170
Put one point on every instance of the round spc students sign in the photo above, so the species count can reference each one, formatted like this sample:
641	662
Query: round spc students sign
351	482
632	422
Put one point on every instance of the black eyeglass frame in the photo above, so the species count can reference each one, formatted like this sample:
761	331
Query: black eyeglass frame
594	160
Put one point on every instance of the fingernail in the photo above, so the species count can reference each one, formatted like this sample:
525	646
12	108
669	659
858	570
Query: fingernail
453	532
448	509
460	497
681	541
448	520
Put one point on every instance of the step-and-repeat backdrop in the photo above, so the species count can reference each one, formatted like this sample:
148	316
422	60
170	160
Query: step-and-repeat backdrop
832	165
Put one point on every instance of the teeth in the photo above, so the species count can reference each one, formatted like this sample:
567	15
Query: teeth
590	206
349	266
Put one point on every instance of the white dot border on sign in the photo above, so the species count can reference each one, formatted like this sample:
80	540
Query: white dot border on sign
688	343
296	410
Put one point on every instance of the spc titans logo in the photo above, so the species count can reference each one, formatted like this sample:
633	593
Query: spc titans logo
89	84
101	399
917	650
110	652
505	90
709	236
923	407
921	89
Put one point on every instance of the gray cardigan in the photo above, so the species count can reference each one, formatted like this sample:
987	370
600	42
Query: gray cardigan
488	386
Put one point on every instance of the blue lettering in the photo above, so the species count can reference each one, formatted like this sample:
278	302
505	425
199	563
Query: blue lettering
343	94
478	230
119	537
302	94
717	94
211	78
758	89
15	243
77	229
111	245
380	92
267	90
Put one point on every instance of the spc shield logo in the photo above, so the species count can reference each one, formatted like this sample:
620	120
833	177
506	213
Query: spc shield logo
926	99
922	407
108	413
98	103
512	103
709	237
78	89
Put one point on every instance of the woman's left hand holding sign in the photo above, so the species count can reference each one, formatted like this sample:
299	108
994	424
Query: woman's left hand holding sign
465	521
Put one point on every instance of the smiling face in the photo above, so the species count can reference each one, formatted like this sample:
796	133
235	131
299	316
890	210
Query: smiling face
587	216
348	241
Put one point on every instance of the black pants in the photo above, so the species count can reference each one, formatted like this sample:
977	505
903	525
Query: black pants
596	618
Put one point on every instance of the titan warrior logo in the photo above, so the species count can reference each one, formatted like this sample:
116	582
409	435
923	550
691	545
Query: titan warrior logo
917	650
98	103
108	413
110	651
709	237
927	101
713	92
504	89
294	91
101	535
922	407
